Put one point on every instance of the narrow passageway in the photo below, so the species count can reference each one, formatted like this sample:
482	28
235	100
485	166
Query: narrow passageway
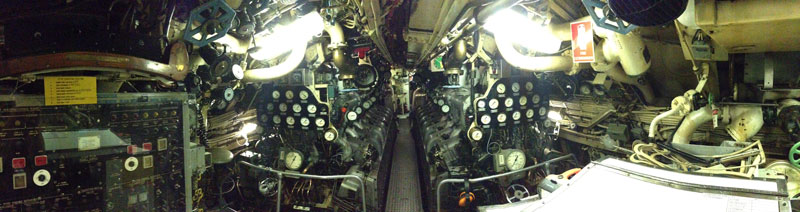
404	194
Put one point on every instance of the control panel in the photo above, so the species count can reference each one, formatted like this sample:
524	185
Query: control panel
293	107
129	152
512	101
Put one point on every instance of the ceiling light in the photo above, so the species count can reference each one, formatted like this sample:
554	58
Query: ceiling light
283	39
522	31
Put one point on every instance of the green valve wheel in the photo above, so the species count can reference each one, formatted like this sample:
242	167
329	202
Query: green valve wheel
794	155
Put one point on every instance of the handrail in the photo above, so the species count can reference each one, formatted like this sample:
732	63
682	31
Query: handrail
318	177
481	179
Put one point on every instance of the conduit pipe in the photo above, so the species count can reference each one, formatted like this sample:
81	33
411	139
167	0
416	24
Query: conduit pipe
288	65
615	72
654	123
339	58
690	124
526	63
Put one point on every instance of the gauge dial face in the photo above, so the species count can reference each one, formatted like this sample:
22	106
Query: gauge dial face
330	136
276	94
516	115
445	108
494	103
486	119
293	160
311	108
515	87
509	102
476	135
366	105
529	113
303	95
529	86
304	121
542	111
290	120
523	100
440	102
359	110
481	104
372	99
319	122
270	106
536	99
501	88
283	107
276	119
586	90
297	108
515	160
289	94
352	116
501	117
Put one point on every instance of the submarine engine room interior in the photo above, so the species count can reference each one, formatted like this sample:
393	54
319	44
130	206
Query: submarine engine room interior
400	105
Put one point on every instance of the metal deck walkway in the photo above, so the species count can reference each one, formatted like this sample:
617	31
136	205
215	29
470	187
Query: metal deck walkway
404	194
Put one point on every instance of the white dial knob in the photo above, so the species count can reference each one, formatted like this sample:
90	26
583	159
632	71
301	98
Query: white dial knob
523	100
290	120
276	94
445	108
529	113
304	121
319	122
481	104
476	135
501	117
283	107
501	88
303	95
486	119
311	108
297	108
494	103
330	136
516	115
289	94
509	102
352	115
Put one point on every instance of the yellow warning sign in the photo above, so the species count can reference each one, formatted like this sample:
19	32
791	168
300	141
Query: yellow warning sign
70	90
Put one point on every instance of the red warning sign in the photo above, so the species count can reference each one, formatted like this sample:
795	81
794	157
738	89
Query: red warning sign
582	42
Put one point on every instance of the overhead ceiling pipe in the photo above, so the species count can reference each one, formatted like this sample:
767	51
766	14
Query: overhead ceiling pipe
288	65
456	56
527	63
616	73
491	9
340	59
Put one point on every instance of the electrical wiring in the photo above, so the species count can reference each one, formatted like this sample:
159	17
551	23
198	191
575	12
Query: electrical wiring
644	153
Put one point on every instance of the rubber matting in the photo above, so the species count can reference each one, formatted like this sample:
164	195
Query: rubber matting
404	194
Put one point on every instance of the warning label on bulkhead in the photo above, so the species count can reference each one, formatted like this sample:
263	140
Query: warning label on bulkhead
70	90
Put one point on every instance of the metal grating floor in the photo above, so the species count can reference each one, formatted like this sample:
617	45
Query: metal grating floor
404	194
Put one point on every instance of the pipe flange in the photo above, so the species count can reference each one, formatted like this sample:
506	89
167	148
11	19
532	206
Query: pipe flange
682	104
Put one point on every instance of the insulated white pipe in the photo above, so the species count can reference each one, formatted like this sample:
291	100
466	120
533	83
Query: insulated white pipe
746	121
288	65
654	123
615	72
526	63
337	35
690	124
628	49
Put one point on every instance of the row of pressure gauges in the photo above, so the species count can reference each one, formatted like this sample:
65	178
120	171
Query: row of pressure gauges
292	107
354	113
512	101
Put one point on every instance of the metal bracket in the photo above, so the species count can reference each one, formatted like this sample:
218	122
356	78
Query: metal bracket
317	177
481	179
620	27
769	71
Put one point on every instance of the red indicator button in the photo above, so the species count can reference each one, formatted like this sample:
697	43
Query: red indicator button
40	160
18	163
132	149
147	146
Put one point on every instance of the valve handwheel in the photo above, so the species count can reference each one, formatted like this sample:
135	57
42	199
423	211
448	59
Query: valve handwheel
211	21
794	155
516	193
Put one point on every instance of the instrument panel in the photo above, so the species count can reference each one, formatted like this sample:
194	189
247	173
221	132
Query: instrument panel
512	101
293	107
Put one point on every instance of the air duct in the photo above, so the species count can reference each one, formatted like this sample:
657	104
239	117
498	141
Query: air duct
526	63
616	73
456	57
744	122
690	124
340	59
288	65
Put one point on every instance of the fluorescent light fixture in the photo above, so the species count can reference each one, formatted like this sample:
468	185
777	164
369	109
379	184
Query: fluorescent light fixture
247	128
523	31
285	38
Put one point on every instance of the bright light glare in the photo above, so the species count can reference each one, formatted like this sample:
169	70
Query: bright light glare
523	31
247	129
554	116
286	37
